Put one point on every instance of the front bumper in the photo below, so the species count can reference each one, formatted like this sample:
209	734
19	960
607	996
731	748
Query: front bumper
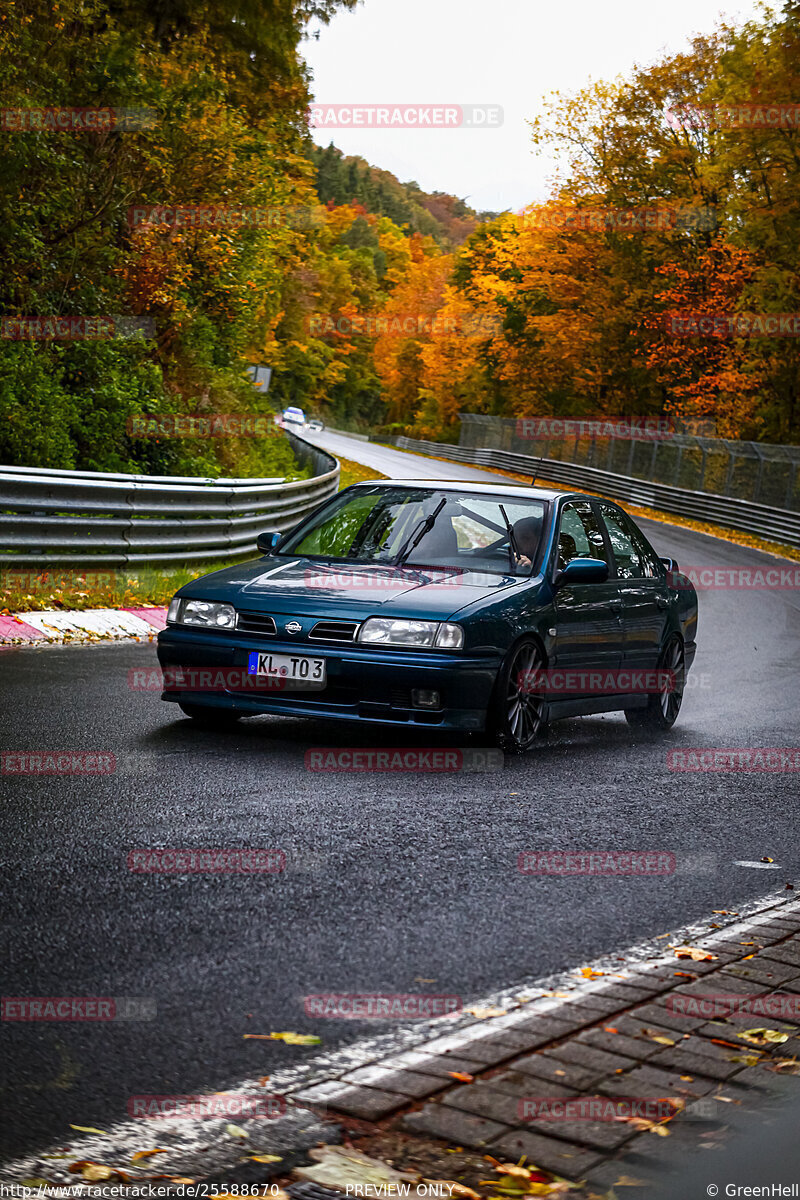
363	684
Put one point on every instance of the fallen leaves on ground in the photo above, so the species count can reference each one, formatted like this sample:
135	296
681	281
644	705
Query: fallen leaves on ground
341	1167
588	973
290	1038
483	1013
629	1181
784	1066
236	1131
692	952
764	1037
146	1154
96	1172
89	1129
749	1060
265	1158
455	1188
462	1076
519	1181
725	912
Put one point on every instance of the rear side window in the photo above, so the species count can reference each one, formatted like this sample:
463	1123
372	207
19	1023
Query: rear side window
579	534
627	554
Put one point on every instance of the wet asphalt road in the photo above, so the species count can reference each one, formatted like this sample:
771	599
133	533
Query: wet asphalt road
390	879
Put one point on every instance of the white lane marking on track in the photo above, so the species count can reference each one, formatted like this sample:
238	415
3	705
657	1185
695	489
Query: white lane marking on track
757	866
206	1142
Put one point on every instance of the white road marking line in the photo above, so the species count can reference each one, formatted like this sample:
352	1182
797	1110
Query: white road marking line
757	866
218	1153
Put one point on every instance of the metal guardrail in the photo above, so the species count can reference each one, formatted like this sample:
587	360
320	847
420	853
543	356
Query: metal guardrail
92	519
779	525
757	472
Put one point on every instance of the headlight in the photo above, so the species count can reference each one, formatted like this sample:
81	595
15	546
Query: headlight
204	613
440	635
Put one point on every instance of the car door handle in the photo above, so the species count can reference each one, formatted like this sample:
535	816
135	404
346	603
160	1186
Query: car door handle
615	605
662	601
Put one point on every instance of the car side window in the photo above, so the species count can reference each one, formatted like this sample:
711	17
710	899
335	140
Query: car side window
627	555
579	534
652	567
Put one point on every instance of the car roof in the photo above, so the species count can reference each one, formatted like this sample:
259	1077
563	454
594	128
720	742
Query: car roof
518	490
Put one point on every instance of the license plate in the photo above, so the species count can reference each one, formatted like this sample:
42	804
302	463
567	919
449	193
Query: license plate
295	669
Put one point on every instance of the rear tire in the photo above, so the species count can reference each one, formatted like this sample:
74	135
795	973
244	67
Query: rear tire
516	715
210	718
663	707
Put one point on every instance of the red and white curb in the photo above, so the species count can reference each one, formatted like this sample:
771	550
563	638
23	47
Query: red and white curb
59	626
202	1147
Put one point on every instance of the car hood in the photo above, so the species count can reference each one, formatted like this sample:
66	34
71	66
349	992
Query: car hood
299	586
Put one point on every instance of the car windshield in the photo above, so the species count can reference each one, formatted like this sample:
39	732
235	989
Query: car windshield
425	526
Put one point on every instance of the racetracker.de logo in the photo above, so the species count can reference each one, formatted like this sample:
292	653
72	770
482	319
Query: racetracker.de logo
735	579
75	120
552	681
596	862
227	1105
232	861
387	1006
203	679
405	116
74	328
768	115
77	1008
616	220
597	1108
400	325
201	425
57	762
362	761
715	758
756	1005
211	218
635	429
732	325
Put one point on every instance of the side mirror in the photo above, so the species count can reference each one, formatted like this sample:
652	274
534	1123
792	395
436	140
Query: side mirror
266	542
582	570
671	564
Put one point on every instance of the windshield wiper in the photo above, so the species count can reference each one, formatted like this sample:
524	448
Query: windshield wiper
513	552
416	537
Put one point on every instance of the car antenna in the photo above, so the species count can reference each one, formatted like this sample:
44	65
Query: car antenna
535	472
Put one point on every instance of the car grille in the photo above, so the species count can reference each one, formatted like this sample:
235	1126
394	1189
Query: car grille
333	631
250	622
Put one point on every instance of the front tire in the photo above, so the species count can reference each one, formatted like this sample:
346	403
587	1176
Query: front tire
663	706
210	718
517	713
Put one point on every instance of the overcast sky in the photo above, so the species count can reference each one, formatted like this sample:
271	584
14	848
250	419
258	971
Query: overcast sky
506	52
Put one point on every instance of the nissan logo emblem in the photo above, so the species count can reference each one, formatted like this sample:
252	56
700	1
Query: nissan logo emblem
293	627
